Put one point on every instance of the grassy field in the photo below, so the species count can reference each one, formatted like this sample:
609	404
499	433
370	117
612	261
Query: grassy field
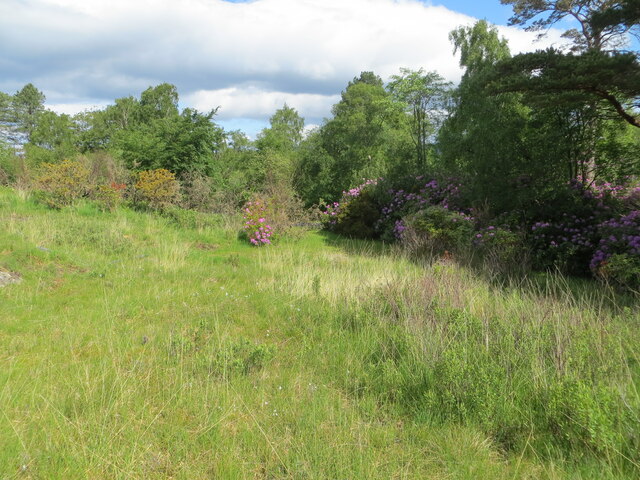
141	346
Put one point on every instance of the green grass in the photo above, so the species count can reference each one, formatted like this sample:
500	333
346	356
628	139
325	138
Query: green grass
141	346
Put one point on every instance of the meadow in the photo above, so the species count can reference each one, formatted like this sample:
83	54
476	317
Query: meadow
139	345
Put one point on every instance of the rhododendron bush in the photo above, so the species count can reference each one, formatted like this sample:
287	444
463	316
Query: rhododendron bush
596	230
256	224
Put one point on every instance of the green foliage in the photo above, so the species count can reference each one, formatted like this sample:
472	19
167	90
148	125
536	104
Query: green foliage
483	141
109	197
8	164
360	140
438	229
59	184
285	132
180	143
621	269
425	97
55	133
158	189
551	76
27	106
358	216
606	32
501	249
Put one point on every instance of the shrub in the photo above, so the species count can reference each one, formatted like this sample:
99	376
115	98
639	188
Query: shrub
437	230
256	225
197	192
409	196
62	183
109	197
157	189
500	247
356	214
358	217
617	258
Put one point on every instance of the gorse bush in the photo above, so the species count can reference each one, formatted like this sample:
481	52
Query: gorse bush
109	197
157	189
59	184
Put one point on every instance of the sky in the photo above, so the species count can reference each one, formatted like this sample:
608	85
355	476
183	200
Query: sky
247	57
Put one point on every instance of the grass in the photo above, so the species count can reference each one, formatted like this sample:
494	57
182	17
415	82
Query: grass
141	346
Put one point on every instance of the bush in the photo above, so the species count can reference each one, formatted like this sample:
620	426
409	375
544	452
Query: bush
157	189
435	230
358	217
256	225
617	258
109	197
500	248
410	195
356	214
197	192
61	183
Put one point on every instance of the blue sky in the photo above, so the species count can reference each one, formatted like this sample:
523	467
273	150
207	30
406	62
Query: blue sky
248	58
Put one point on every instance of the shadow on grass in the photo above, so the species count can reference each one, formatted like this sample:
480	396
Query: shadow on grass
583	291
358	246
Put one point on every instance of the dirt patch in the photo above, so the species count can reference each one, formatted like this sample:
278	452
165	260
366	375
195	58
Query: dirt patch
7	278
207	246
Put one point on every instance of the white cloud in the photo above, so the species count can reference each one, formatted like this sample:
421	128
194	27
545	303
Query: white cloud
252	102
249	58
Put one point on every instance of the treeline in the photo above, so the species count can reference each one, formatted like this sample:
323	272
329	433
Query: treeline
527	140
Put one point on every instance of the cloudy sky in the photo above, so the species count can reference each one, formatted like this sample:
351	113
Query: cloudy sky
248	57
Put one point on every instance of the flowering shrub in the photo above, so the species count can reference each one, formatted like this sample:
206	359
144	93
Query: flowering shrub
500	246
158	189
617	257
567	243
61	183
109	196
356	214
257	228
415	196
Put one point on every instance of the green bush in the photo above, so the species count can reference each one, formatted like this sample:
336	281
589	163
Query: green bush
621	269
358	216
157	189
59	184
109	197
500	248
436	230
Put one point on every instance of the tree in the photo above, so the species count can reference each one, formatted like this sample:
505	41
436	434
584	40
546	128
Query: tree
180	143
539	15
160	101
425	97
362	133
599	74
28	104
285	132
593	76
483	141
625	13
55	133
